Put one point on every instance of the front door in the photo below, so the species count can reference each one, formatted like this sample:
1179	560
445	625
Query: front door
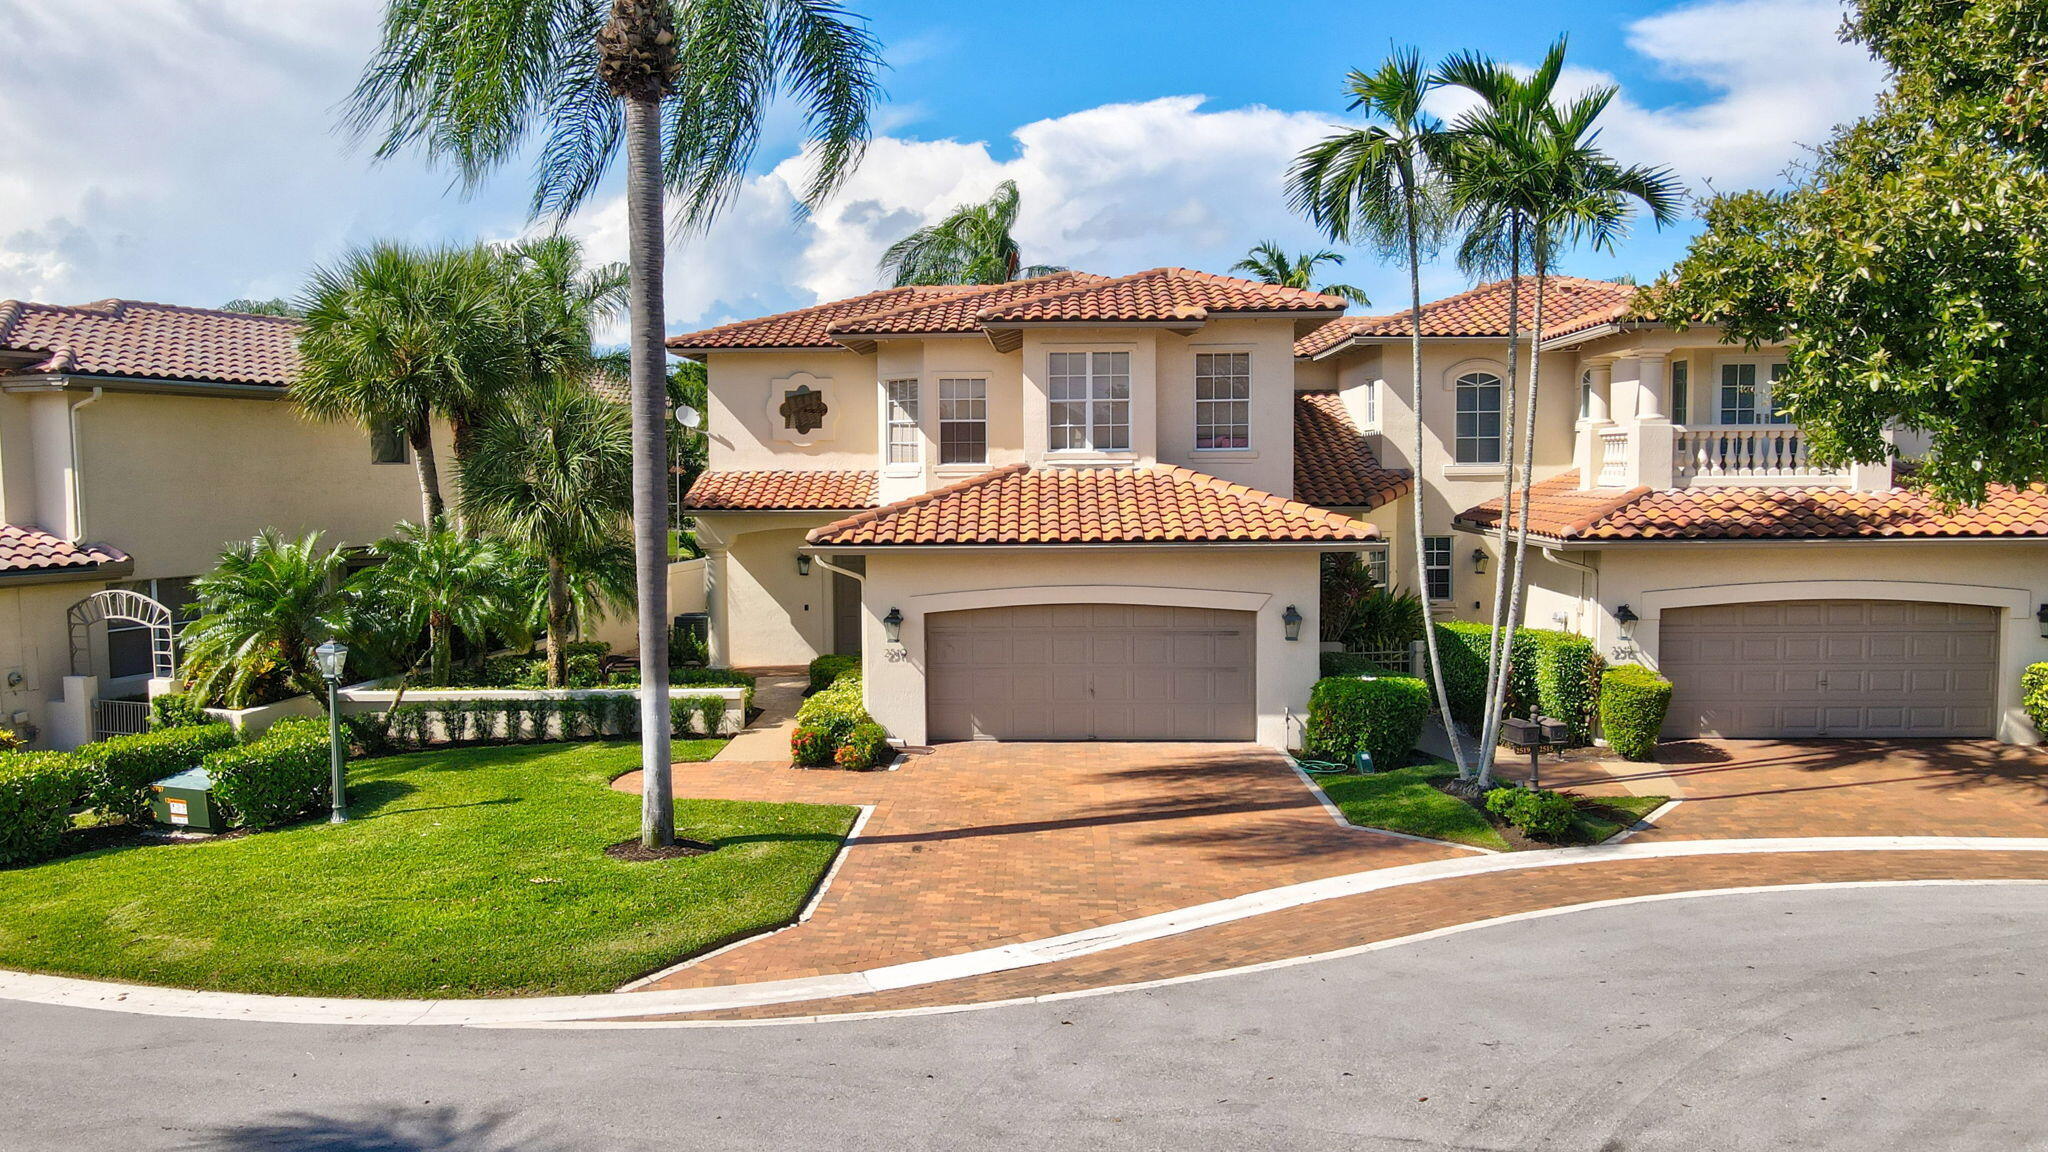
845	615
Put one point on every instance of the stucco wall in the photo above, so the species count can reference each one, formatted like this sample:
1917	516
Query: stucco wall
35	641
742	429
1264	581
1268	464
763	613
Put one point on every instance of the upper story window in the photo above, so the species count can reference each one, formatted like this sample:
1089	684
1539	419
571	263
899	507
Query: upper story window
1436	563
901	441
1223	400
1586	394
1091	402
388	446
963	421
1372	404
1746	393
1681	390
1478	431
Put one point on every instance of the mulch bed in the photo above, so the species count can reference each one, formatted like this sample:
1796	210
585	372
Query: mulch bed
634	852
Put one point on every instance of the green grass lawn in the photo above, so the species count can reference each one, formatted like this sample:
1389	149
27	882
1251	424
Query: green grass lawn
471	872
1406	800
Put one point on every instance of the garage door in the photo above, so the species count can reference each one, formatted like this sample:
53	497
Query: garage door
1090	672
1830	668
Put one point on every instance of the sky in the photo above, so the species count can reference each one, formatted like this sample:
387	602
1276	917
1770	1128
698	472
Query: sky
186	150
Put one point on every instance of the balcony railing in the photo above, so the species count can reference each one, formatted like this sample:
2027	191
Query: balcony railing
1775	452
1613	458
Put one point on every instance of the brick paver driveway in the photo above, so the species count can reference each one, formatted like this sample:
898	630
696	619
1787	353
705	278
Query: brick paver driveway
975	845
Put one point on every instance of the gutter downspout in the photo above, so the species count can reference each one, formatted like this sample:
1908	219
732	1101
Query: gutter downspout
78	469
1588	575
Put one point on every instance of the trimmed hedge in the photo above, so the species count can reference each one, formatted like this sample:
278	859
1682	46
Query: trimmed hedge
1633	702
118	771
1382	717
2034	695
1556	673
826	721
525	721
275	780
177	710
37	790
1353	664
1545	814
827	669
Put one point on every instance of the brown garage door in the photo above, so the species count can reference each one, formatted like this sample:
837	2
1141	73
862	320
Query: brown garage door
1830	668
1090	672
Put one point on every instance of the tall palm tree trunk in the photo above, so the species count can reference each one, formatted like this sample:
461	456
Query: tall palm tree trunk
424	463
1498	656
1436	663
1518	582
650	463
558	624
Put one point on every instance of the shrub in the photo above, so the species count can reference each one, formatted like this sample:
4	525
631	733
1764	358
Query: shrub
1633	702
118	771
37	790
1567	678
811	747
176	710
715	678
1381	717
867	746
1544	814
826	669
1353	664
836	710
695	714
2034	695
275	780
1554	673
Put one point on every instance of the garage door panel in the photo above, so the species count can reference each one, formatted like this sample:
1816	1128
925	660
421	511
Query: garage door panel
1830	668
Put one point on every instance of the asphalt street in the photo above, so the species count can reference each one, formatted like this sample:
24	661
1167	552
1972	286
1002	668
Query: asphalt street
1874	1018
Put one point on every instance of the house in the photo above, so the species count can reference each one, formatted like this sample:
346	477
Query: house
136	441
1679	522
1071	507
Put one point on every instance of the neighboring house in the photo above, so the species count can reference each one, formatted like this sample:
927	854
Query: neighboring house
136	441
1681	524
1063	508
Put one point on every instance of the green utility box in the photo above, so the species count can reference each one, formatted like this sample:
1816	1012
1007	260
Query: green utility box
186	801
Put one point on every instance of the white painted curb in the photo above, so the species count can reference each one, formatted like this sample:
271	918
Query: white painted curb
145	1000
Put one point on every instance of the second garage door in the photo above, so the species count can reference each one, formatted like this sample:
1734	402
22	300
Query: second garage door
1090	672
1830	668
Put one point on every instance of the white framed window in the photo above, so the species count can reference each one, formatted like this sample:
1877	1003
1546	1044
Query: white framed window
128	644
1376	567
1478	423
901	417
963	421
1372	404
1436	560
1586	394
1681	390
1745	396
1091	402
1223	400
388	444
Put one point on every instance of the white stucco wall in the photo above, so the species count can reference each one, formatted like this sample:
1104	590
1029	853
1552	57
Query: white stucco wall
763	613
1260	580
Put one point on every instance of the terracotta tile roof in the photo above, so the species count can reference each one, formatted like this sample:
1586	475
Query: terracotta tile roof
1162	294
24	548
1561	512
1158	505
805	327
150	341
960	311
1570	304
1334	464
782	489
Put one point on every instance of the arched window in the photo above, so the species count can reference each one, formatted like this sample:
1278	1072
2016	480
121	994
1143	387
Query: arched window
1478	431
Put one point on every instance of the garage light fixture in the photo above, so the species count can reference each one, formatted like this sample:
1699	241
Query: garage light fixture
1479	561
892	625
1292	620
2042	616
1626	617
803	564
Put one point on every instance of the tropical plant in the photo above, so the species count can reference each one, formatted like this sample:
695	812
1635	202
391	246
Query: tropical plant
971	245
442	583
1526	175
1377	184
394	336
1271	264
275	306
552	475
552	305
263	607
683	88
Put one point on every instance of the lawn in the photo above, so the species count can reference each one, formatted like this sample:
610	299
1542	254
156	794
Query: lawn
1406	800
471	872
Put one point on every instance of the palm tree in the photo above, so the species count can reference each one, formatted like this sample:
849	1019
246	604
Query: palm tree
1378	184
972	245
1269	263
684	86
264	606
393	335
443	583
1526	169
553	304
551	476
275	306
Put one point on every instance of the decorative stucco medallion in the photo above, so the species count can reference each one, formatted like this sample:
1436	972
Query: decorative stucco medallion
801	408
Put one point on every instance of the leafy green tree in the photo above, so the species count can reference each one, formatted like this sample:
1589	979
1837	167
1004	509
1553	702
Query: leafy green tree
443	583
552	476
1378	185
263	607
275	306
1271	264
972	245
1903	272
683	86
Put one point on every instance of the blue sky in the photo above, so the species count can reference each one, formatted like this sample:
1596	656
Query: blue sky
183	149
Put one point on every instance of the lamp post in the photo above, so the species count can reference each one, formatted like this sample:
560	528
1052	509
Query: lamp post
331	657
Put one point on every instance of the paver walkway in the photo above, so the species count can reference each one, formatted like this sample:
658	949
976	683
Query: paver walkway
778	692
975	845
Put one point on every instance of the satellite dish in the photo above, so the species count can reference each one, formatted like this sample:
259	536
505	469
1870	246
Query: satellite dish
688	417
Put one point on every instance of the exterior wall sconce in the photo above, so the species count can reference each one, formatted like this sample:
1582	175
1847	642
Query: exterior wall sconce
803	564
1479	561
2042	616
1292	620
1626	617
892	625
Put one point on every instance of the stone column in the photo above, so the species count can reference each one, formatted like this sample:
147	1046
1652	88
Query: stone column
716	638
1654	442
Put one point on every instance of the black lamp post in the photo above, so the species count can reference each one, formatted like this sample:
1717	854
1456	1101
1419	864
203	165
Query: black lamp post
331	658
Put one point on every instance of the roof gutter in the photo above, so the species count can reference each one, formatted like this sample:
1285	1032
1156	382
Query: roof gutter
142	384
1289	545
72	575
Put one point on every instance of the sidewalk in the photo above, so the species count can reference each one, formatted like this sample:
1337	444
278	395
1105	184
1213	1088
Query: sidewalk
778	694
